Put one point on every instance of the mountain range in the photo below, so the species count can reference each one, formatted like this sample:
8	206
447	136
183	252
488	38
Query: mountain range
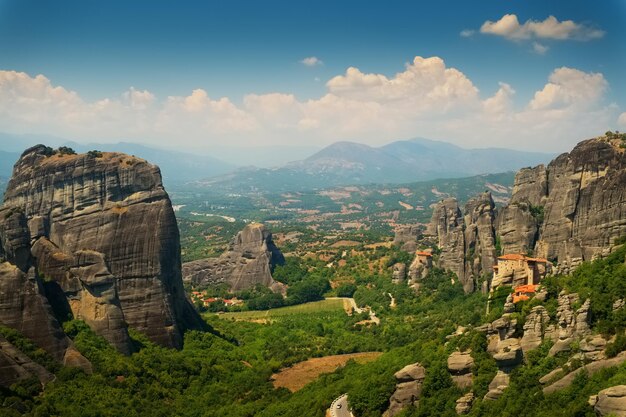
342	163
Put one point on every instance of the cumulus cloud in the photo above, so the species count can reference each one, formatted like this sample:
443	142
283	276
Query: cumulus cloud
426	83
467	33
621	120
551	28
570	87
427	98
311	61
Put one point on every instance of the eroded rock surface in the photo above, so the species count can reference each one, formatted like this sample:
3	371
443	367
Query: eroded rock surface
249	261
610	401
466	240
408	389
579	204
104	237
406	237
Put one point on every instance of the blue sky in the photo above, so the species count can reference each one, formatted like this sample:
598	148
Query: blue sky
233	49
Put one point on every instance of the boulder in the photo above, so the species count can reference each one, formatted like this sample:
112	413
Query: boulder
460	363
413	372
610	401
508	353
464	404
406	393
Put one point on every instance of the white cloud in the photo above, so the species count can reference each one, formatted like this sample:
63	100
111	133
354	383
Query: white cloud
501	102
311	61
467	33
426	83
551	28
139	100
570	87
621	120
539	48
426	98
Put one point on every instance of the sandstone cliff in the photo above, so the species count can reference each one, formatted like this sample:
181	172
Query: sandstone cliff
249	261
100	230
572	210
467	240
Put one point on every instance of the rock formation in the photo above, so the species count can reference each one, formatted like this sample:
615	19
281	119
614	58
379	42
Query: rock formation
398	273
249	261
420	267
467	241
464	404
460	367
408	389
15	366
572	210
610	401
571	325
100	231
406	236
536	323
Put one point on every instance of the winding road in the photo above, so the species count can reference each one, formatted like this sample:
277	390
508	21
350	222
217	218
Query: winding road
340	407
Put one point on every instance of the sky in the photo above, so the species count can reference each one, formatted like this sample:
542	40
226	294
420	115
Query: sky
533	75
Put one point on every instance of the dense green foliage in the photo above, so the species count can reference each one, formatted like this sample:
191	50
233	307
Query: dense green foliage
229	375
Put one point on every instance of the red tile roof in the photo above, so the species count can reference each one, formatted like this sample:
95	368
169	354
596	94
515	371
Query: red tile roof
422	253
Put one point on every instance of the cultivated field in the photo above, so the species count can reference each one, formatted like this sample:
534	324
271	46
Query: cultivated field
297	376
267	315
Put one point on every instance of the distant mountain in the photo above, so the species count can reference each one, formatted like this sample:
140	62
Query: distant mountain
345	163
175	166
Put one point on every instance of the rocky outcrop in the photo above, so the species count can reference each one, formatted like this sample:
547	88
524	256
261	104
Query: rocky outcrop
508	353
249	261
447	225
406	237
610	401
571	325
534	327
517	228
15	366
398	272
408	389
103	235
464	404
480	239
467	240
578	203
420	267
498	384
460	367
590	369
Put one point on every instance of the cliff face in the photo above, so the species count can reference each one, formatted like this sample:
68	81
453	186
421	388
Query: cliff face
248	262
573	209
103	236
467	241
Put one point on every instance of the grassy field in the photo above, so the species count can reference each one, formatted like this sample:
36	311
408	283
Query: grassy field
314	307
